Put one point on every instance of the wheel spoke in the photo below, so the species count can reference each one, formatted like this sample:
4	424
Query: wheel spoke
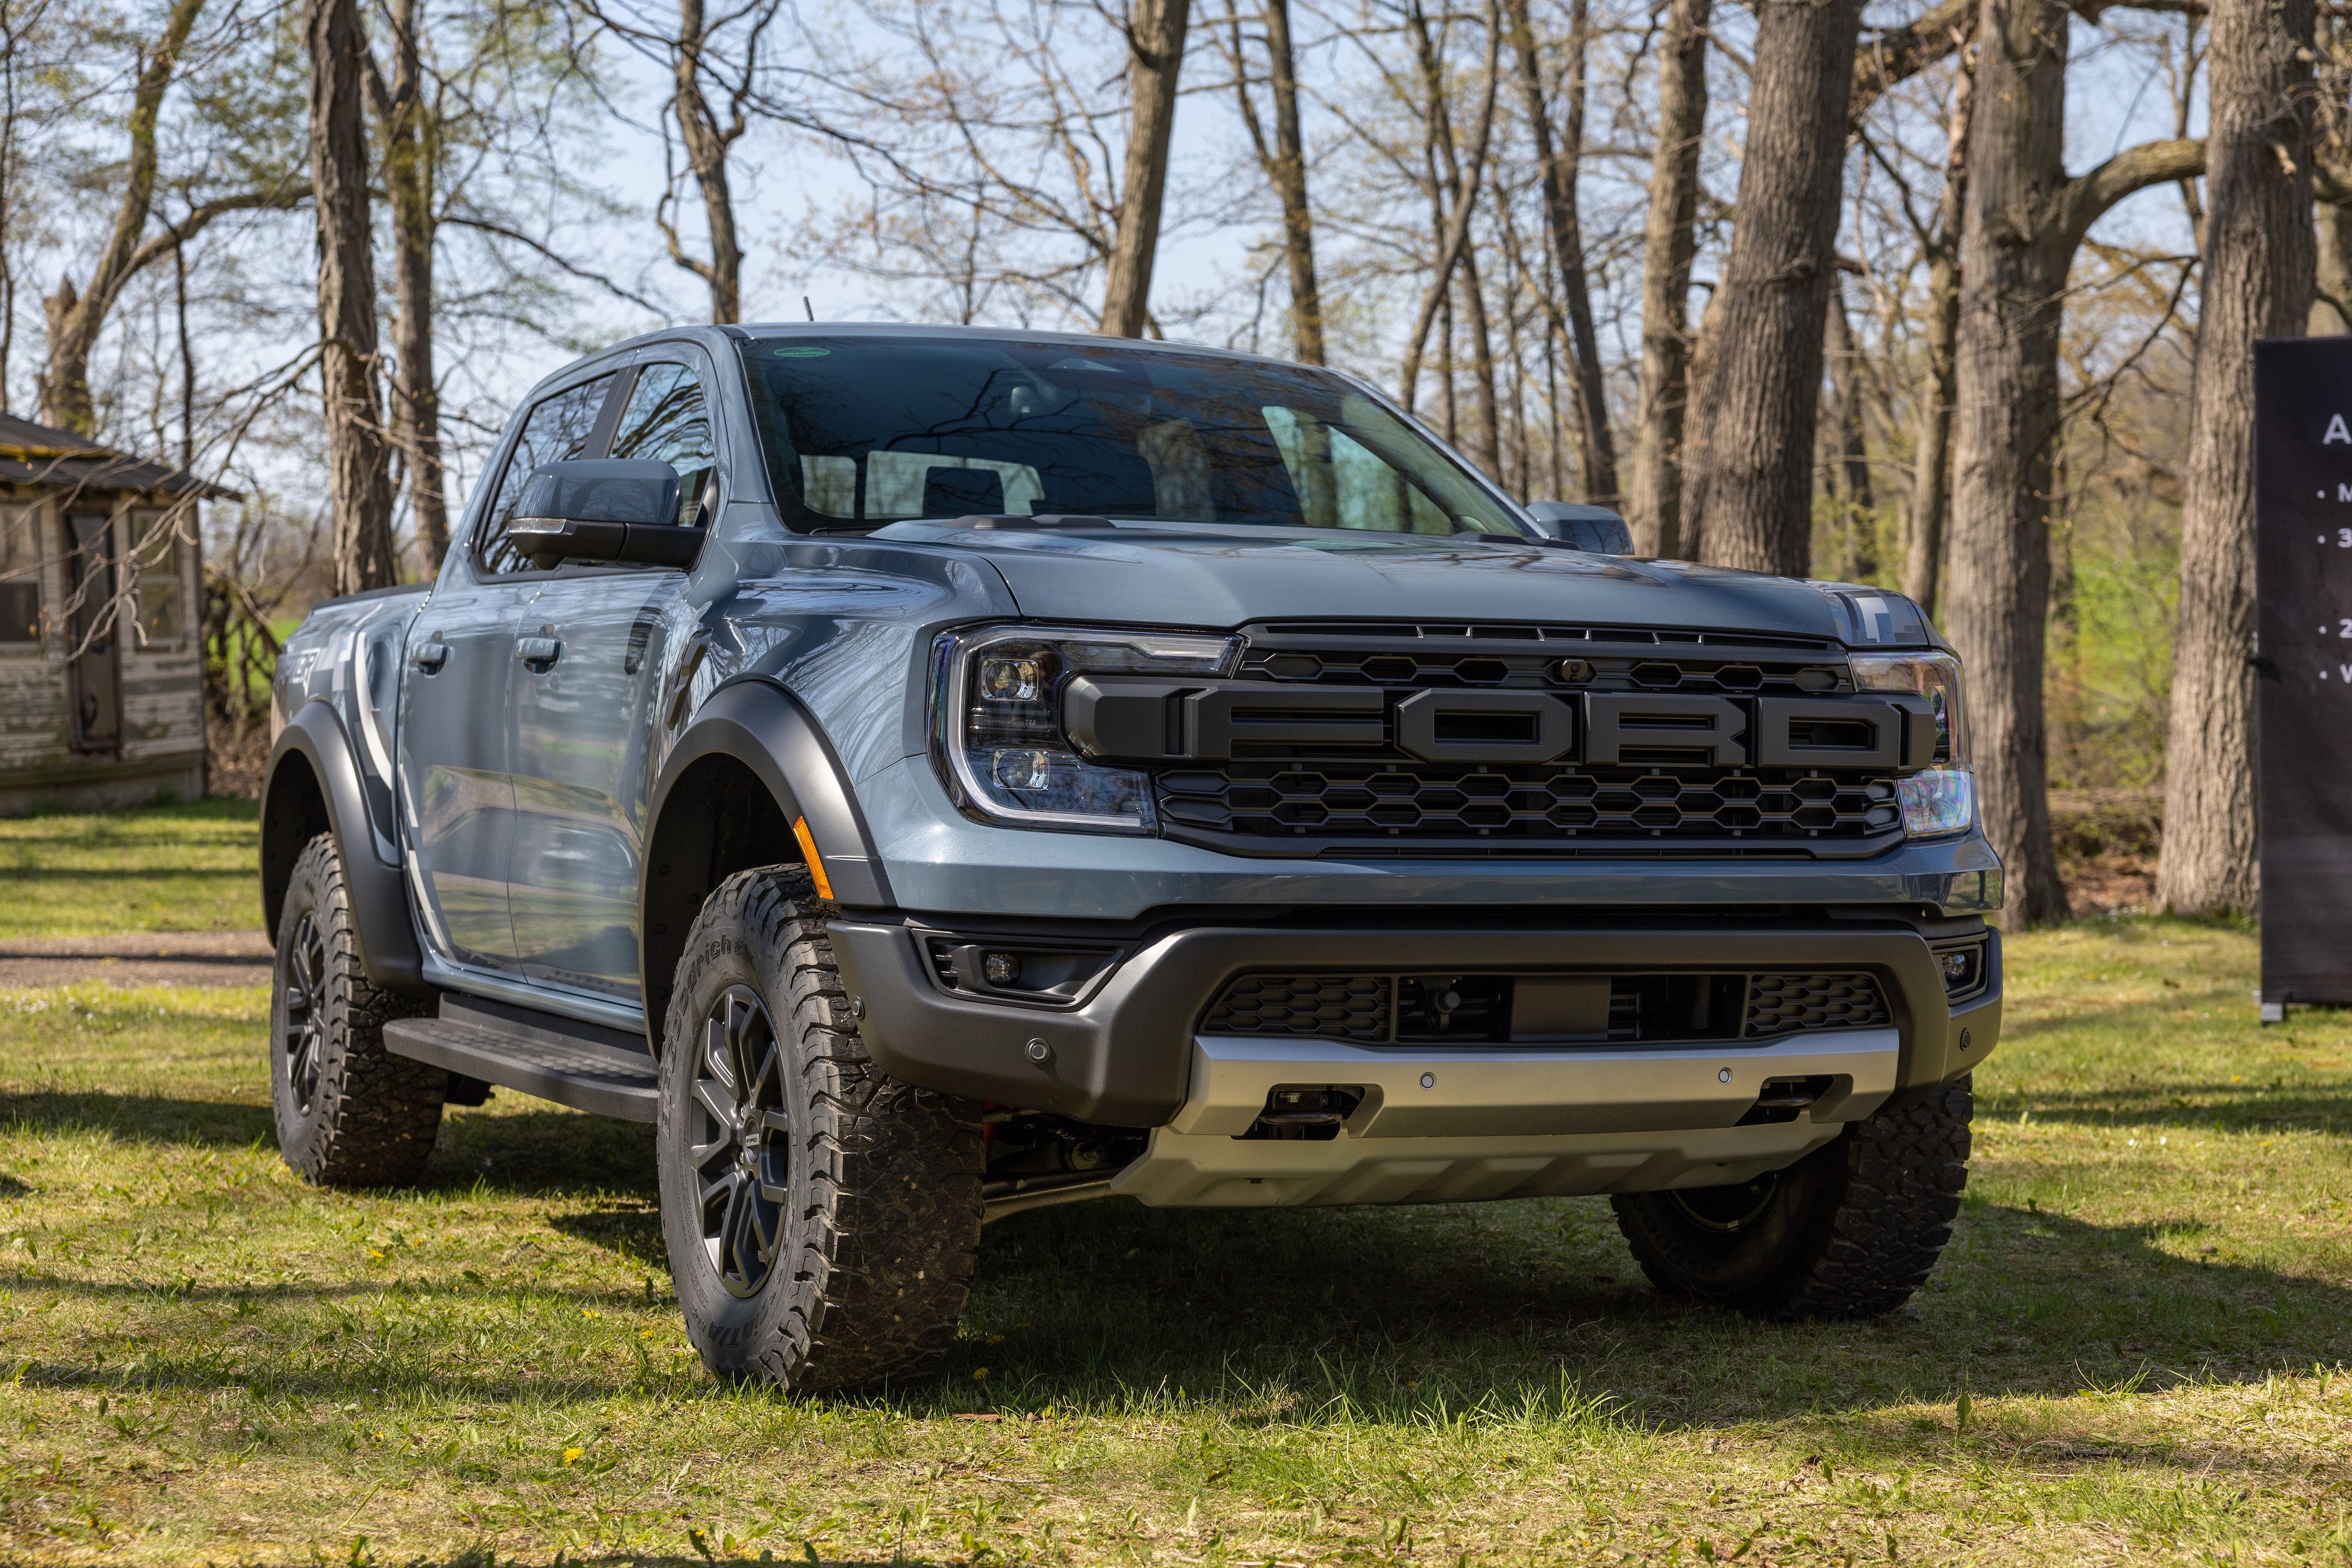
714	1099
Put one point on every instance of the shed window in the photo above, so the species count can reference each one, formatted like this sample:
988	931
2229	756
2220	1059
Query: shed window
159	553
20	577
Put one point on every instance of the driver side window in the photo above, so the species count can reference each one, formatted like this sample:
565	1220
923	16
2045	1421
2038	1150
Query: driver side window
558	428
668	421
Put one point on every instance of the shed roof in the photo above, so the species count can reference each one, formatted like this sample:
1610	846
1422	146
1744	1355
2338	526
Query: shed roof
34	453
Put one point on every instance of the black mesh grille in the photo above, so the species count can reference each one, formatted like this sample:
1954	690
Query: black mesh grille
1644	1007
1381	800
1785	1004
1416	801
1342	1006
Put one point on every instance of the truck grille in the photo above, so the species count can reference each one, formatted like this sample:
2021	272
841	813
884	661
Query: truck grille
1381	799
1641	1009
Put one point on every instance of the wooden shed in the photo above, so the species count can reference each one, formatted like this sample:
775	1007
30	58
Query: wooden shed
102	666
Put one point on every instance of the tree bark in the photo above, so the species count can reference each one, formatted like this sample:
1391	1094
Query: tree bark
1931	494
409	163
1750	492
707	144
1669	240
1289	176
2023	221
1155	45
1856	540
1489	446
2259	256
2331	302
76	316
359	481
1561	162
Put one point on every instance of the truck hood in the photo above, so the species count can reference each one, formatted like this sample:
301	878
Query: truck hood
1223	576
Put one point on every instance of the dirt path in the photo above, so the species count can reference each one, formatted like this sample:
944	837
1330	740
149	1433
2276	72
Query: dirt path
141	958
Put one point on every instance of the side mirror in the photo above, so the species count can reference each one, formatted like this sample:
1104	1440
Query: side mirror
611	509
1576	525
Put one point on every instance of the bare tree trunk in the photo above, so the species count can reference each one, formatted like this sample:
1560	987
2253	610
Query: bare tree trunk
1857	541
76	316
2024	222
1562	164
2331	303
1155	43
1451	184
707	144
359	481
2256	283
1489	448
1750	487
409	159
1931	494
1289	173
1654	505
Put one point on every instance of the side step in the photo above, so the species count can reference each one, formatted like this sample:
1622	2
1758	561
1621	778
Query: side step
577	1064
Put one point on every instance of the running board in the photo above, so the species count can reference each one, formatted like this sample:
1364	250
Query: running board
573	1064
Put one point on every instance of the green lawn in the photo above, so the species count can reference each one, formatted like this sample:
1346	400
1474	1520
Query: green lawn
2136	1348
186	867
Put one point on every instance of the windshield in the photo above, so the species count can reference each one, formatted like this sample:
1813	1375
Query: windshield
862	431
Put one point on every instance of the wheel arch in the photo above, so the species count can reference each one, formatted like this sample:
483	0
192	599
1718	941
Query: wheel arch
312	786
750	764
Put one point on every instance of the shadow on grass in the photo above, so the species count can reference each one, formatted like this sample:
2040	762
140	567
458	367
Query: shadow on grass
139	1118
2199	1107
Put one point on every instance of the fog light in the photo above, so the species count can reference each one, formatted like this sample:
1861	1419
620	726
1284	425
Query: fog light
1956	966
1001	968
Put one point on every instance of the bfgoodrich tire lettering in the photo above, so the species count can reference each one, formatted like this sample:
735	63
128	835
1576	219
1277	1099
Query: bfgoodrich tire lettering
821	1217
348	1112
1850	1230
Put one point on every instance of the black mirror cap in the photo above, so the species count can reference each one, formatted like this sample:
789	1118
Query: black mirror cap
603	510
1576	525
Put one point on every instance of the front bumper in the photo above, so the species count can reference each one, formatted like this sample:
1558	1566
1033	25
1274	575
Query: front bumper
1133	1054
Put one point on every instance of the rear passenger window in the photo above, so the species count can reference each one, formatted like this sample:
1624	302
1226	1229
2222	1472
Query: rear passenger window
556	429
667	421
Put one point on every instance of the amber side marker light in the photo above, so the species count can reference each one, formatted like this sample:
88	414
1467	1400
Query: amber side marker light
816	861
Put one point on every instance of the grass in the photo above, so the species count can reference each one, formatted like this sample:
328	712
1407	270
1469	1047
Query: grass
2137	1347
185	867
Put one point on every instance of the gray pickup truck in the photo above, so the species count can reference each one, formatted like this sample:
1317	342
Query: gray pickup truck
932	774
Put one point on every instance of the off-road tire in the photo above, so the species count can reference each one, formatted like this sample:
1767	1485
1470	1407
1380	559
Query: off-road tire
875	1185
1849	1231
348	1112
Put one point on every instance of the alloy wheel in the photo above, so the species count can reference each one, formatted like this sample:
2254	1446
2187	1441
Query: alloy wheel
305	986
740	1151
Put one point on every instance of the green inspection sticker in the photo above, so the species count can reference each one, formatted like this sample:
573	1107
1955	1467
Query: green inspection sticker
799	351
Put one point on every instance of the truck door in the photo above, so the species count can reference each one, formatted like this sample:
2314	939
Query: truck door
584	726
457	799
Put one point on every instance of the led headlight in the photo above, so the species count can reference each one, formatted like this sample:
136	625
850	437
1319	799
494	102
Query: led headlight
1943	799
996	712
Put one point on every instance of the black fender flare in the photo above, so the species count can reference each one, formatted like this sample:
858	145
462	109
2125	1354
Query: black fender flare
291	810
754	722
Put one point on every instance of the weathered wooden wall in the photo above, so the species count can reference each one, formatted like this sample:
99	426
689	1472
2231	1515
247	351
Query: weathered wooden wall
162	692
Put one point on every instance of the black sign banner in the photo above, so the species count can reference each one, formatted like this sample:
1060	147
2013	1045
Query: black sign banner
2302	527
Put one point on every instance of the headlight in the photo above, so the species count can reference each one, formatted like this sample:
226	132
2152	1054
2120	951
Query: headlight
996	720
1943	800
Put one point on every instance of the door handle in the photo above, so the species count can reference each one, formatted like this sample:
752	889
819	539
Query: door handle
537	649
429	656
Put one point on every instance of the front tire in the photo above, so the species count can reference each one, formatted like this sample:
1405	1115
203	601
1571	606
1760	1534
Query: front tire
821	1217
1849	1231
348	1112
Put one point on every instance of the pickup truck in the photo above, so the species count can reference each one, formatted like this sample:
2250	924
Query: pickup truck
932	774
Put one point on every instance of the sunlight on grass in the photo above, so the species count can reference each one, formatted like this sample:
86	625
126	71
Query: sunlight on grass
159	868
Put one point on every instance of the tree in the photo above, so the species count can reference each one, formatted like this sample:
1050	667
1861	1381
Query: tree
2259	257
76	316
1669	241
411	155
1155	45
359	478
1285	163
1750	491
1559	160
2022	224
1931	493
